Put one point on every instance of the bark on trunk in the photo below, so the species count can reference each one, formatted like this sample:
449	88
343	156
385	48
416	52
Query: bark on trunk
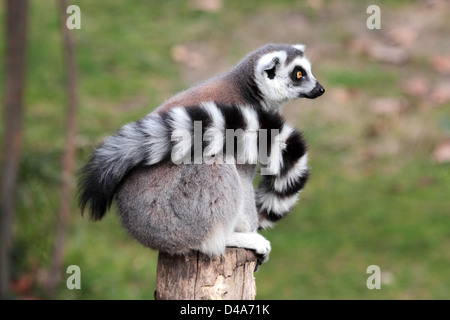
198	277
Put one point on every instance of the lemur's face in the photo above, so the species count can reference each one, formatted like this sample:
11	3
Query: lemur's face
286	75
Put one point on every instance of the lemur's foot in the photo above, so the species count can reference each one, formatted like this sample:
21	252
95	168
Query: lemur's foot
253	241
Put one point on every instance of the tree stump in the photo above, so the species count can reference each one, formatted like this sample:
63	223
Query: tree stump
196	276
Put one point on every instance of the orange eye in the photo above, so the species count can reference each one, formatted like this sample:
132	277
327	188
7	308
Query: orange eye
299	74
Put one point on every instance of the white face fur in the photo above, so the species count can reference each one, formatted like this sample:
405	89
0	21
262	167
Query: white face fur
279	81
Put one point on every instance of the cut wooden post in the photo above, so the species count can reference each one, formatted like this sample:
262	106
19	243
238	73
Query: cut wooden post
196	276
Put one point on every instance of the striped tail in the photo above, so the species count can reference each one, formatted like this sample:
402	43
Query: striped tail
174	135
146	141
279	190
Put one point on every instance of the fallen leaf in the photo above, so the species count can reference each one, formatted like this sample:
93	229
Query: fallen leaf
23	284
184	55
388	54
426	181
315	4
442	152
387	106
206	5
404	35
342	95
387	277
417	87
436	4
441	63
376	129
358	45
441	94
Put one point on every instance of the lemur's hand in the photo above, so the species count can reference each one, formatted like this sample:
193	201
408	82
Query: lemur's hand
253	241
262	252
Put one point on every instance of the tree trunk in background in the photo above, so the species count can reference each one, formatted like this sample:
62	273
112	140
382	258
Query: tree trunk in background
16	29
68	159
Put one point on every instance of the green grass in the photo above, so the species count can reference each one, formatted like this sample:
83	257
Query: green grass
372	79
372	199
345	225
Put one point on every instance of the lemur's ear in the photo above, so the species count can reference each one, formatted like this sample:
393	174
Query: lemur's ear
268	64
300	47
270	69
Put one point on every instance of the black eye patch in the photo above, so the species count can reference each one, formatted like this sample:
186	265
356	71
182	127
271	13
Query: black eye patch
298	74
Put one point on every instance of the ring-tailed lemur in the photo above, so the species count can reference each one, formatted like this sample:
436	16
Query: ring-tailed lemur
173	201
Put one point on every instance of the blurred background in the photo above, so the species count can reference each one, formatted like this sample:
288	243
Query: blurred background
379	140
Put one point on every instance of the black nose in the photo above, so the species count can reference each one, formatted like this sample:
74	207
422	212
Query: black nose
317	91
321	90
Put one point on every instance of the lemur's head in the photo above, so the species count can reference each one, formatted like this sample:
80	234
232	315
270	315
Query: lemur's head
283	73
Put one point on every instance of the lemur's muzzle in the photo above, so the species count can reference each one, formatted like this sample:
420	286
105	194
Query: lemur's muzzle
317	91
